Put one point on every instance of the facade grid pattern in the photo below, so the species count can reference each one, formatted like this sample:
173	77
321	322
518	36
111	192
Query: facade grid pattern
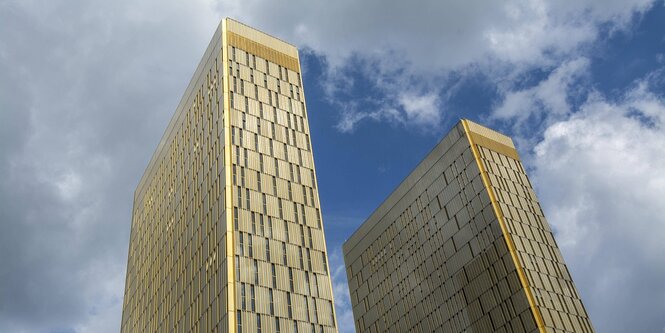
434	256
227	234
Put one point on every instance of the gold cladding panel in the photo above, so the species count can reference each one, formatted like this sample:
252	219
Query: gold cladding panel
264	52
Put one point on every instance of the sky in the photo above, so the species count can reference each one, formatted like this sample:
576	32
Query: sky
88	87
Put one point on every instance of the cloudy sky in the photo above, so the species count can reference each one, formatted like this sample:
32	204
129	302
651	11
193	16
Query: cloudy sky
88	87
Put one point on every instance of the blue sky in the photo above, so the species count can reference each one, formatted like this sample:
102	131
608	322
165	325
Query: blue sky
88	88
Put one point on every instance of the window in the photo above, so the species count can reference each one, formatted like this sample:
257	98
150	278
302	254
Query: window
307	282
291	172
249	243
302	265
307	310
265	206
235	217
302	212
267	249
291	278
288	305
242	297
258	181
309	261
277	168
284	253
252	297
241	247
237	268
272	305
239	319
261	226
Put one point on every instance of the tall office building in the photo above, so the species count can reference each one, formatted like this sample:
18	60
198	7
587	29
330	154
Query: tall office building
462	246
226	231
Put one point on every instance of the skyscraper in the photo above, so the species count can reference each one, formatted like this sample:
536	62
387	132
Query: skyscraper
226	229
462	246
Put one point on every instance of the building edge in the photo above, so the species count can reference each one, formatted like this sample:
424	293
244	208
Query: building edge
504	229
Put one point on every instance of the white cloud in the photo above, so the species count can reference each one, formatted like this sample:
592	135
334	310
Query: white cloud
343	307
88	88
548	97
411	109
396	45
350	116
599	175
420	109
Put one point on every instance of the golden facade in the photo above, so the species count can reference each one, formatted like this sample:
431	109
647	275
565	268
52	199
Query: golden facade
462	246
227	233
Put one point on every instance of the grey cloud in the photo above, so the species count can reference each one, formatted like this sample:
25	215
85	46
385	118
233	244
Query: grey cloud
428	47
88	87
343	308
87	90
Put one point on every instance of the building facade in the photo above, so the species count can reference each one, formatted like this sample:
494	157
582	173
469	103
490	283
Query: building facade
226	230
462	246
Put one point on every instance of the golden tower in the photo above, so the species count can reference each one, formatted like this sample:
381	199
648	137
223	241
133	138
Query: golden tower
462	246
226	230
